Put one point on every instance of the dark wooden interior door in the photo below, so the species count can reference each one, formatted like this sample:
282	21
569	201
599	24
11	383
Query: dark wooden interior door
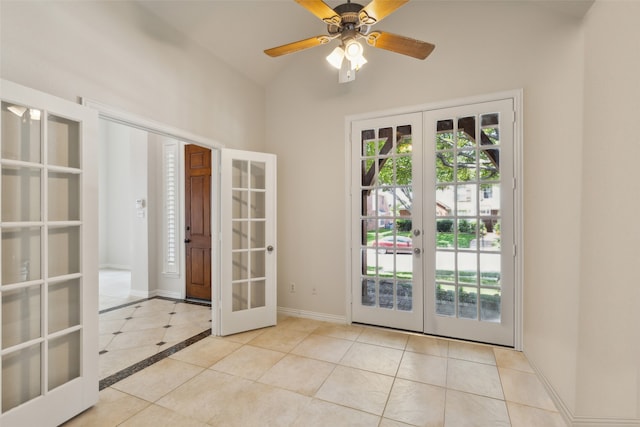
198	221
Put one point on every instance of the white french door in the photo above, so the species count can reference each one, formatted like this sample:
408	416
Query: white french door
469	222
433	222
248	241
49	251
387	236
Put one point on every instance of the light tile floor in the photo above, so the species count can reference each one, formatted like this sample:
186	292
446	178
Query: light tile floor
138	331
308	373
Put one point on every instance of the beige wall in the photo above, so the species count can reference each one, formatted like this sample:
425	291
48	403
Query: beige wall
482	47
581	99
608	368
115	53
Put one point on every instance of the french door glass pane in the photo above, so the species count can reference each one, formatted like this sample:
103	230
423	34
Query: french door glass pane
65	205
467	190
258	293
258	264
240	296
21	320
240	203
64	251
21	194
258	234
258	205
63	142
21	376
240	266
64	359
64	305
240	234
21	255
21	133
258	175
239	174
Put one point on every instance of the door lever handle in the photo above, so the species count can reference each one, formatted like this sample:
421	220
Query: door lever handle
187	240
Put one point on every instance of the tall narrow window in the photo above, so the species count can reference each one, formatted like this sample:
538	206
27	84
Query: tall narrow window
170	152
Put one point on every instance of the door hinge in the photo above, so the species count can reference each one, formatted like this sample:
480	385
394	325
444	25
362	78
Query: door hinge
514	250
513	183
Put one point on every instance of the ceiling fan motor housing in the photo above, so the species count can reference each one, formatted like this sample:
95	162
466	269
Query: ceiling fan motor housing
350	24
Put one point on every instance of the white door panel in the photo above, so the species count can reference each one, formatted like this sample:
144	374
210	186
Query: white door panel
387	214
469	259
248	241
49	251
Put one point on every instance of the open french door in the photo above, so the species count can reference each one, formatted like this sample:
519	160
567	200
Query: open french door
49	252
248	241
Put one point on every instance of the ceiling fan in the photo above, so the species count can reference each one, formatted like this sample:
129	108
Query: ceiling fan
350	22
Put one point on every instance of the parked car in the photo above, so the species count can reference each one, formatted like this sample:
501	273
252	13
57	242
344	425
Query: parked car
386	244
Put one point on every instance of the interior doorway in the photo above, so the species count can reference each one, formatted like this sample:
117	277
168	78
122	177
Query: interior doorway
124	189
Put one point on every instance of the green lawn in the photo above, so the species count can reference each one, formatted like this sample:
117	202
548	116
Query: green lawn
383	232
445	240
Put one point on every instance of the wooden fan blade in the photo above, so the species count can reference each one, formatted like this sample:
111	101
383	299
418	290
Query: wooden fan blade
321	10
377	10
400	44
296	46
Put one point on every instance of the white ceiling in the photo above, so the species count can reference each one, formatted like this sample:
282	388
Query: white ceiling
238	31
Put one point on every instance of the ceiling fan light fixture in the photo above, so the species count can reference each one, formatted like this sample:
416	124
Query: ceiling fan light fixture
358	62
336	57
353	50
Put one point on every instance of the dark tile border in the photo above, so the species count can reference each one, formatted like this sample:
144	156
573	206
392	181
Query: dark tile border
119	376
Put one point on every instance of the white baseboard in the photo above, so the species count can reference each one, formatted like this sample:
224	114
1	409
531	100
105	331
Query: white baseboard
323	317
140	294
166	294
604	422
115	267
573	420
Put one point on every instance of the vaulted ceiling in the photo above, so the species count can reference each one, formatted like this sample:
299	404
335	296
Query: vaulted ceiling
238	31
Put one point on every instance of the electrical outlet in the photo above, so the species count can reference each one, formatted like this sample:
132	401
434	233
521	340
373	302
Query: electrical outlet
292	287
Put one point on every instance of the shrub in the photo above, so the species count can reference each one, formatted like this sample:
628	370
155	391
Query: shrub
404	225
444	225
465	226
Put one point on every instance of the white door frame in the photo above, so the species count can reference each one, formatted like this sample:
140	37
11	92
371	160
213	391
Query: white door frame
517	97
116	115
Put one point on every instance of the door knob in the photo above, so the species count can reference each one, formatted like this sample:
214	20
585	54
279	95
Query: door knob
417	251
270	248
187	240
